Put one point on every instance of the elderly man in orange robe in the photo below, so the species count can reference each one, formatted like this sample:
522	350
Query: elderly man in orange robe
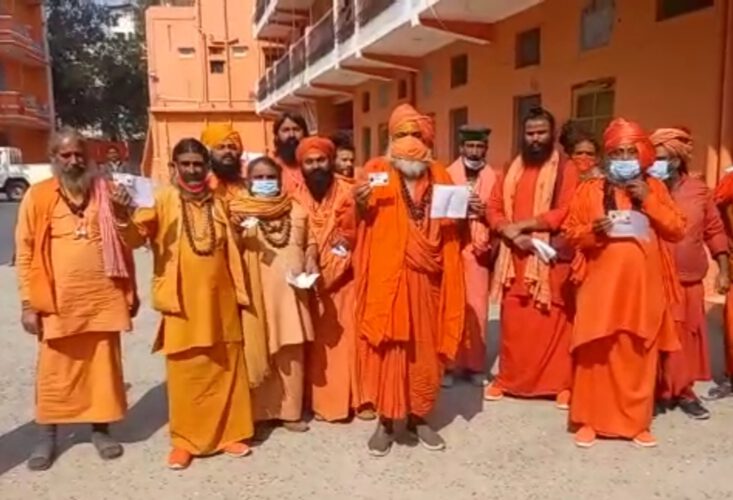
723	198
625	299
77	291
329	201
528	204
681	369
198	287
289	130
471	169
410	289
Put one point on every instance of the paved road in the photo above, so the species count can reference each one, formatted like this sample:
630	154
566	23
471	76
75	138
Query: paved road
8	214
507	450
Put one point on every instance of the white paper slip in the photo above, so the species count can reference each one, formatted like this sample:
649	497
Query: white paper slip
339	251
303	280
377	179
629	224
249	222
544	251
449	202
140	189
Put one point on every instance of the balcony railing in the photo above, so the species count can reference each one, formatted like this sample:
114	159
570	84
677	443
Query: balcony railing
369	9
346	20
282	71
262	88
321	38
12	32
260	8
298	60
23	109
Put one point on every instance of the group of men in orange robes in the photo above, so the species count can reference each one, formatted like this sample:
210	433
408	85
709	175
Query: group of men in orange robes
607	323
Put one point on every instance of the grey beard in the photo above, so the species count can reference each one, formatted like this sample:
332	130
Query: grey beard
76	183
412	169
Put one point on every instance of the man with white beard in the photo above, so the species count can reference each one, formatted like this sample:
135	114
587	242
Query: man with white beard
472	170
409	278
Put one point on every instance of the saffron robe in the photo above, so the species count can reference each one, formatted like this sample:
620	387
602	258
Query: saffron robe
410	298
623	317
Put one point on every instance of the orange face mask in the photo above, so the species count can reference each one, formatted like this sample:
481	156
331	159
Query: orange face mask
409	148
584	164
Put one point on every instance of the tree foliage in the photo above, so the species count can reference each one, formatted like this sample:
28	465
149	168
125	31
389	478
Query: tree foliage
99	77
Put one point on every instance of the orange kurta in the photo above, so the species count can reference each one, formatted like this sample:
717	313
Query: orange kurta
623	316
200	331
724	200
292	177
331	357
476	253
79	370
534	356
410	299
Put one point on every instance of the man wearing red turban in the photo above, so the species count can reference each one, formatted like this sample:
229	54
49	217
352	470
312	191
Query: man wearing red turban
329	203
681	369
528	204
410	294
625	297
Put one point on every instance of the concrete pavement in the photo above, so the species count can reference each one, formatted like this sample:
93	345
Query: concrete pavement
510	450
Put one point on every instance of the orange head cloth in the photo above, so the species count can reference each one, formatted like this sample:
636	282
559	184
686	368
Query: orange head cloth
315	144
677	141
409	148
216	133
406	119
623	132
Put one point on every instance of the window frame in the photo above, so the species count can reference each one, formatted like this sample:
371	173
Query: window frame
662	16
455	143
522	36
593	87
455	81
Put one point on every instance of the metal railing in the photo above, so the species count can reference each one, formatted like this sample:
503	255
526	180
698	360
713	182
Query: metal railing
298	59
346	20
369	9
282	71
22	32
262	87
260	8
321	38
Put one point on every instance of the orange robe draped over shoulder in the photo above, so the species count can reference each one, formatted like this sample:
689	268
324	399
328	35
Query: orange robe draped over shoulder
476	253
79	371
623	316
723	198
200	332
331	357
534	355
410	298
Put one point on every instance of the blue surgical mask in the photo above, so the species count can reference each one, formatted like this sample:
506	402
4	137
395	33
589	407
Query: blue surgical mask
624	170
660	170
265	187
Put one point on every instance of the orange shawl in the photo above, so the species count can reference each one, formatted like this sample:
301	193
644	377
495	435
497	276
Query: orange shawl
388	242
537	273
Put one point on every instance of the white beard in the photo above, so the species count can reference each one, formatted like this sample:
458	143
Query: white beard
412	169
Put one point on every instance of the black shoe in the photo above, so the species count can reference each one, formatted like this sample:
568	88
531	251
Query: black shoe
723	390
44	453
381	441
107	447
660	407
694	409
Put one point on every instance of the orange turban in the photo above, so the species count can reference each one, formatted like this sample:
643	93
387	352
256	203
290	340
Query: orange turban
315	144
621	131
216	133
677	141
405	118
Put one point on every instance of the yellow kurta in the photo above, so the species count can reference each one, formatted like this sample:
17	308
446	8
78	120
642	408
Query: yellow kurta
200	333
79	370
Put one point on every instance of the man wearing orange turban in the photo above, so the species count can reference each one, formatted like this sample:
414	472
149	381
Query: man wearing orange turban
225	146
625	297
410	293
329	203
528	204
681	369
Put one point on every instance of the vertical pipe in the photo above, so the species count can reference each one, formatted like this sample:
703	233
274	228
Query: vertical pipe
227	48
204	53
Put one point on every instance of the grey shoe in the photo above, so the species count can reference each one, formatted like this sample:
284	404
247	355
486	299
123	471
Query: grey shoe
44	453
429	438
107	447
381	441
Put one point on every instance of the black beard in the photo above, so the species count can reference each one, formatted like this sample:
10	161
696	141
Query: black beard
536	157
226	172
319	182
286	150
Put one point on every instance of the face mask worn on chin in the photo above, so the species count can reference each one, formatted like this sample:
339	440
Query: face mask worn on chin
267	188
473	164
660	170
624	170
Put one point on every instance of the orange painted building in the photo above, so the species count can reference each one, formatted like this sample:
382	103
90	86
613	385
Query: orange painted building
26	97
349	62
203	65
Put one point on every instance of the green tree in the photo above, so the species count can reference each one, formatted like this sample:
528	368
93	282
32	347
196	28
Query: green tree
100	78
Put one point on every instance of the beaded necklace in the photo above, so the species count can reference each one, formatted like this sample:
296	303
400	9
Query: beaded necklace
208	234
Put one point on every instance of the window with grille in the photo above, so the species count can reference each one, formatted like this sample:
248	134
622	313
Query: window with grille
216	67
527	50
667	9
593	105
458	71
458	118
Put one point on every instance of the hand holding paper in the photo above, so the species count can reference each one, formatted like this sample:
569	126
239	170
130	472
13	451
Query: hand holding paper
140	189
629	224
449	202
545	252
302	281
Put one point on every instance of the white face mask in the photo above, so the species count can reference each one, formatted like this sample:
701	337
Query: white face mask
660	170
265	188
474	164
624	170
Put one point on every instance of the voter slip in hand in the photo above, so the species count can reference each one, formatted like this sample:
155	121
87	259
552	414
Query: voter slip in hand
249	222
628	224
303	281
449	202
545	252
140	189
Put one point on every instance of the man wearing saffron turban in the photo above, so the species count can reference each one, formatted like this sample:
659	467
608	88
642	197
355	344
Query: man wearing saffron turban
409	283
225	148
625	297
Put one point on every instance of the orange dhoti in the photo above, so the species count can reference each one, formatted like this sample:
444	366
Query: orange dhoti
728	333
679	370
471	353
280	396
614	377
209	398
79	379
403	378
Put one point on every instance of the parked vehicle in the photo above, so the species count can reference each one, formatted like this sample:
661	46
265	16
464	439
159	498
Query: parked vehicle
14	181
